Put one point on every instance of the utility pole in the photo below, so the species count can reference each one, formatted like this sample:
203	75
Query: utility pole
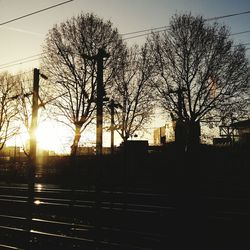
112	127
33	148
99	99
33	143
179	129
112	105
100	92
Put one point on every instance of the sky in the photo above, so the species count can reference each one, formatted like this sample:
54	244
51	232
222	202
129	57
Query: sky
24	38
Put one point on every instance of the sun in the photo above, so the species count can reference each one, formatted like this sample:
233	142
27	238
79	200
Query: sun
57	137
49	136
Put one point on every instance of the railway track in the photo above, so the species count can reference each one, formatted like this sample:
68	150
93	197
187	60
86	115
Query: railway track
81	218
77	218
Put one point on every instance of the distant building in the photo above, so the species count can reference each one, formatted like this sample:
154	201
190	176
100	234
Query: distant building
164	134
170	131
160	136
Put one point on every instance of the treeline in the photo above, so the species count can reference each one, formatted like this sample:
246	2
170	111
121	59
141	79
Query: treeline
192	70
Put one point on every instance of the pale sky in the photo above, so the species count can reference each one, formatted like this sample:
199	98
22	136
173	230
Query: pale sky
23	38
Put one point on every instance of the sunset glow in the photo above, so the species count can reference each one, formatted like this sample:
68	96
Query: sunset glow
124	124
51	136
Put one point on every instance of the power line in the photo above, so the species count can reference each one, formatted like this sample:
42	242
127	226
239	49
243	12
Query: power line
132	37
225	16
164	28
239	33
145	30
22	59
35	12
207	19
21	62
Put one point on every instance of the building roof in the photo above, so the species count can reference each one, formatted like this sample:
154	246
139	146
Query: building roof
241	124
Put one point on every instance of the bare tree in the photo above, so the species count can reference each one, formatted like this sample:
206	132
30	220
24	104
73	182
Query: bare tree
237	111
68	50
200	71
132	91
24	96
8	107
24	100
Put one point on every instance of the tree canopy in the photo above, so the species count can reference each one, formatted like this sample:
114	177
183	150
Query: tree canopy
8	107
132	91
199	69
68	50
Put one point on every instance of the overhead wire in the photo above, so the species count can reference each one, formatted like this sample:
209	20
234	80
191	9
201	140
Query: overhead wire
21	62
132	37
225	16
22	59
241	32
144	31
35	12
17	62
157	29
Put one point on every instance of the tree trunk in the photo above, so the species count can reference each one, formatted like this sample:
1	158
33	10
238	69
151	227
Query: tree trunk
193	135
180	135
124	136
76	140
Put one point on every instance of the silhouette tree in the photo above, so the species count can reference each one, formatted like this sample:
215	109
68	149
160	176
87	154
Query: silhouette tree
133	92
25	104
24	97
8	107
237	111
70	65
200	71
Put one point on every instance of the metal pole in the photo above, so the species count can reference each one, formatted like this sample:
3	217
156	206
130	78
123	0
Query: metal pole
99	102
112	111
33	148
33	143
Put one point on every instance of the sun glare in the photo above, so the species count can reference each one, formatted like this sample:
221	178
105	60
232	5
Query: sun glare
56	137
49	136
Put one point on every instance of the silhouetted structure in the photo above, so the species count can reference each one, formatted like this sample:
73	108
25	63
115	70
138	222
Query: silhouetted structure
243	131
227	141
237	132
